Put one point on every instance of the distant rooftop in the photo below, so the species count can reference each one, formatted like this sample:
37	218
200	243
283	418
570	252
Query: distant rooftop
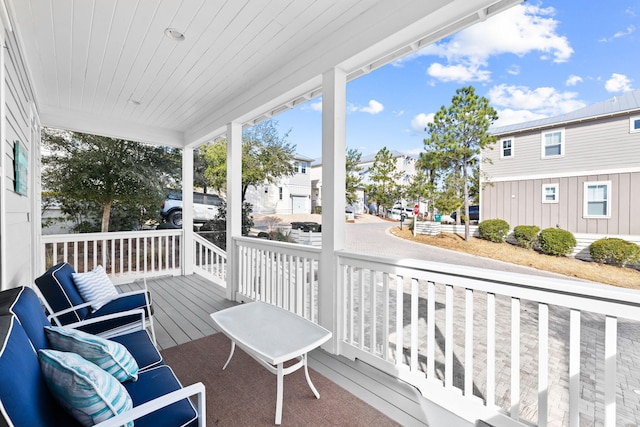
370	158
619	104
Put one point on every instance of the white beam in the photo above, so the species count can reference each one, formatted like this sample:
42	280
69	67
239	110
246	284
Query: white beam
334	111
234	203
187	210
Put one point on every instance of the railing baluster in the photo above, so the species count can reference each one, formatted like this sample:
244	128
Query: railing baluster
468	343
610	352
515	358
415	299
373	285
448	342
431	330
399	321
385	316
361	307
543	364
75	253
574	369
491	350
350	312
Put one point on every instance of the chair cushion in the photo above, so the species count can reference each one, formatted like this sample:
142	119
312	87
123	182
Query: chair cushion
89	393
58	288
27	307
95	287
141	347
157	382
118	305
109	355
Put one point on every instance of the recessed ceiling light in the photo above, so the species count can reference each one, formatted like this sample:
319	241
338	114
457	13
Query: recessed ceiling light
134	102
174	34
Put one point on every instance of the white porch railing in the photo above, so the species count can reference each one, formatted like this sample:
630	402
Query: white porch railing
209	260
283	274
126	256
510	348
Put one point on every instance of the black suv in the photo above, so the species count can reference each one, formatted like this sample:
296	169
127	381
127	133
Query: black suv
474	213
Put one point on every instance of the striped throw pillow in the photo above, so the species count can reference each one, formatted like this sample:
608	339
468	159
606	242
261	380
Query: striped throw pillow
95	287
89	393
109	355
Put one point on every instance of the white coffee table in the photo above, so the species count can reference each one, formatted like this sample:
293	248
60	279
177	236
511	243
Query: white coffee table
272	336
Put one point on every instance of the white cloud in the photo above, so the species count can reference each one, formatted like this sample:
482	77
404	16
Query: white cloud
514	70
374	107
573	80
539	102
421	121
618	83
458	73
520	30
316	106
626	32
509	116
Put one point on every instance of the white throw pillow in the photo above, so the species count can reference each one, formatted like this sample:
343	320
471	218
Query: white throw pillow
95	287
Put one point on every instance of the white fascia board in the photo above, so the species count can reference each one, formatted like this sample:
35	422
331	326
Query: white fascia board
562	174
113	128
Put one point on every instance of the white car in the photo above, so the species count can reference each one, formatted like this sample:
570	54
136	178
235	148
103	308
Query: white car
205	207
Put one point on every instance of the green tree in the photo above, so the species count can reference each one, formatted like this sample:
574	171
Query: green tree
384	176
266	158
92	176
353	178
457	135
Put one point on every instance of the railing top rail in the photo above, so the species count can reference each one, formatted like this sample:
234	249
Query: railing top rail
577	294
283	247
199	239
51	238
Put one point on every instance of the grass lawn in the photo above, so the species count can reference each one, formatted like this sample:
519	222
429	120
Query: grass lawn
617	276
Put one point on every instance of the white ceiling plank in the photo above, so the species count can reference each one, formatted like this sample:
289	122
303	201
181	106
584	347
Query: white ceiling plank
81	35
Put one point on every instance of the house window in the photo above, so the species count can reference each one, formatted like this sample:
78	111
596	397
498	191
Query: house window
280	193
549	193
303	167
634	124
553	143
506	149
597	199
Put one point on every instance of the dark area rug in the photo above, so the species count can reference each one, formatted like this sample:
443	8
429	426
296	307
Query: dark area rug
244	394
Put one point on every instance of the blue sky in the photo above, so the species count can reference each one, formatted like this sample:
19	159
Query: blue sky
538	59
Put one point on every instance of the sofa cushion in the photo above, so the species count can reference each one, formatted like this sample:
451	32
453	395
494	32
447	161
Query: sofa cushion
25	398
27	307
154	383
118	305
141	347
58	288
95	287
109	355
89	393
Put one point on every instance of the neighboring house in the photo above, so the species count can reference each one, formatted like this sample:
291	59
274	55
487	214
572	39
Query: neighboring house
404	163
579	171
291	195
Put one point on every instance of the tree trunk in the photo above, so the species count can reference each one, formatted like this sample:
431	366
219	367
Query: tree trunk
106	216
465	187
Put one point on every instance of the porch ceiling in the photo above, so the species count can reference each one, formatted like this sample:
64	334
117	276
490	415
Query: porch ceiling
241	60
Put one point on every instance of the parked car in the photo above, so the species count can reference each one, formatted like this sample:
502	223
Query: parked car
474	213
205	207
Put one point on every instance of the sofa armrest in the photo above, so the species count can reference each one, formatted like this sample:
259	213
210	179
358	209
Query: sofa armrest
99	319
196	389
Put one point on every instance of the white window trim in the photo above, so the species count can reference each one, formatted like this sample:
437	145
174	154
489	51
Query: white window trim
544	194
543	146
513	143
631	128
585	204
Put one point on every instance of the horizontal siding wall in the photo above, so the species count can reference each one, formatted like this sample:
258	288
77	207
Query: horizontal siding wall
520	203
605	144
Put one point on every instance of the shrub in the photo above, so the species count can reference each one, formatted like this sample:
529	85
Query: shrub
615	251
526	235
555	241
494	230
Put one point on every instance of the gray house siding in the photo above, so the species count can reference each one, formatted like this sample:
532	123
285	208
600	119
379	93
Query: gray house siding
600	145
17	211
519	202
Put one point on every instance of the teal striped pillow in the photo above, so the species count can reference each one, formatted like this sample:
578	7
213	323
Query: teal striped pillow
95	287
109	355
89	393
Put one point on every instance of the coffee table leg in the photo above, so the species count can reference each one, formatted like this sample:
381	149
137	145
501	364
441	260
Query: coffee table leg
306	373
233	347
279	395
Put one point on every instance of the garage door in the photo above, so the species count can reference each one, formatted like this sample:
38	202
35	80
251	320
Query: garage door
299	204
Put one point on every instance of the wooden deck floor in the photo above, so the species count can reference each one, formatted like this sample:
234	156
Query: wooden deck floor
182	305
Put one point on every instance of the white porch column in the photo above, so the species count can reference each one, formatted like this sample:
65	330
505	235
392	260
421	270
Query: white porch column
334	110
187	210
234	203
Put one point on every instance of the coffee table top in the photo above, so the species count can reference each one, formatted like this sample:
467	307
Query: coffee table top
271	333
